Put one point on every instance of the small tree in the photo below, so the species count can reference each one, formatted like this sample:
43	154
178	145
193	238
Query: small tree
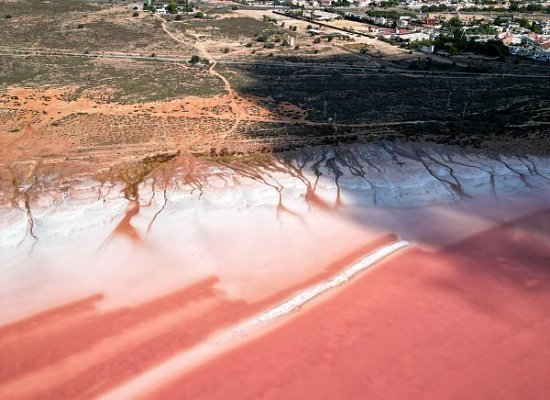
195	59
172	8
7	16
178	17
199	15
135	14
79	26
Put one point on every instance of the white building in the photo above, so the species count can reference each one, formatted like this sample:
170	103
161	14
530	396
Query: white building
413	37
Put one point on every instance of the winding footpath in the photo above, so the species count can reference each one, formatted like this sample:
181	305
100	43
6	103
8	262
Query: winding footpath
231	94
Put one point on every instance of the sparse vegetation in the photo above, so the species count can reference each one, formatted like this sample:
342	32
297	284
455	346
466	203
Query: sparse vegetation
231	28
347	95
44	25
117	80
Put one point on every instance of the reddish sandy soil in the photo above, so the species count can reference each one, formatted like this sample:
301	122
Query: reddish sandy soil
38	128
471	321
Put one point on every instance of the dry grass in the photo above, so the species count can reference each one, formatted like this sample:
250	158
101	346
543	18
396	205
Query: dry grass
79	26
109	80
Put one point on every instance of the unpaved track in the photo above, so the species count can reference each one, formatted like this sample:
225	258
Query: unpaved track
351	69
231	94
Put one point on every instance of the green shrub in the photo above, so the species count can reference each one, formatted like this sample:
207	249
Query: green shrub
172	8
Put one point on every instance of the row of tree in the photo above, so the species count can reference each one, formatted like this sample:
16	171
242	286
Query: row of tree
454	41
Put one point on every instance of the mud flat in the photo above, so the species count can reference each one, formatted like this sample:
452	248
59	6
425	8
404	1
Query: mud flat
107	278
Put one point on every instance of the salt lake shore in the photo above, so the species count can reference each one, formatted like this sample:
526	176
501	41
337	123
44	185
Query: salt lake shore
153	279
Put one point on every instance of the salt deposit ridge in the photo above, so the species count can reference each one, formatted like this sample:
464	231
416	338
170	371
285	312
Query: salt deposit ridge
100	267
